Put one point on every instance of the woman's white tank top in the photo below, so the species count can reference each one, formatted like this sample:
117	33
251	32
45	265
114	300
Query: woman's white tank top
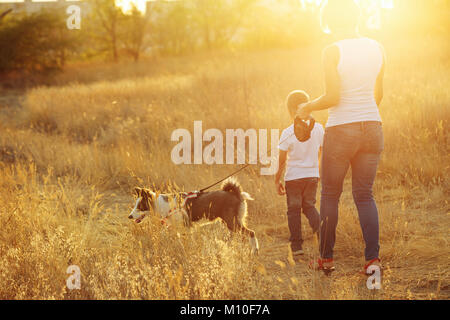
360	63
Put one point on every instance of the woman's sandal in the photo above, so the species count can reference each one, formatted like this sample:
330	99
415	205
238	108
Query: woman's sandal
373	262
318	266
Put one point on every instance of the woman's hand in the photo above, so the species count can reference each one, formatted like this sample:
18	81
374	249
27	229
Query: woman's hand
303	111
280	188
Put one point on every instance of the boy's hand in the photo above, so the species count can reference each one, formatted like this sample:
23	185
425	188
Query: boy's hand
280	188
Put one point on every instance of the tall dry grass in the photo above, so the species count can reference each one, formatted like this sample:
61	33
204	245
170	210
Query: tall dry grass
72	153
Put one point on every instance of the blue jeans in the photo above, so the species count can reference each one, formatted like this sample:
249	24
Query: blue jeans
358	145
301	197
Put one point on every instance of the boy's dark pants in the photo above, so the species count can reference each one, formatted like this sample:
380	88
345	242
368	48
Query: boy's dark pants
301	197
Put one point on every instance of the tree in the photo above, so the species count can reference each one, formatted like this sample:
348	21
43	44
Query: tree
35	43
282	24
173	31
107	16
219	20
133	32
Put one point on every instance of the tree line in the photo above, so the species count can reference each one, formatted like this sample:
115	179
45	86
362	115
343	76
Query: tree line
40	42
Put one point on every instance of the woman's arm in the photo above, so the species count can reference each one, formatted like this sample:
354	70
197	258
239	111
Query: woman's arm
379	90
281	165
332	93
320	161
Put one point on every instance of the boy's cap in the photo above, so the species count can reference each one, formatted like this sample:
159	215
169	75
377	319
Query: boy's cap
302	130
294	99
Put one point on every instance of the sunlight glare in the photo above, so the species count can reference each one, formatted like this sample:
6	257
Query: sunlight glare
372	7
127	5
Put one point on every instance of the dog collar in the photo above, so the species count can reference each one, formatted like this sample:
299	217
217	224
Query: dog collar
190	195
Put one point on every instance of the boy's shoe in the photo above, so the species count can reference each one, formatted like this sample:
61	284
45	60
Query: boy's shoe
297	253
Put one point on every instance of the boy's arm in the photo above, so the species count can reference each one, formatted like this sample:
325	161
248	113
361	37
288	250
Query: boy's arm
281	166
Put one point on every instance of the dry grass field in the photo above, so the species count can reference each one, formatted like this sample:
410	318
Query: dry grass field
71	153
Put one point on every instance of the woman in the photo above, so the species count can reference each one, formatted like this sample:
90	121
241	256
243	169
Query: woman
354	71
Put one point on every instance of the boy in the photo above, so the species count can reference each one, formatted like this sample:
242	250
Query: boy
302	174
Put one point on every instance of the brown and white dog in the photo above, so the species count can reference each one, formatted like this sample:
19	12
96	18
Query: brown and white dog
228	204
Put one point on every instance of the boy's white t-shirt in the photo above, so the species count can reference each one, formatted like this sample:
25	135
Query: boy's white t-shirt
303	157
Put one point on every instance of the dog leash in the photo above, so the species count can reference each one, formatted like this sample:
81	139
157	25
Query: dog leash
239	170
229	176
297	122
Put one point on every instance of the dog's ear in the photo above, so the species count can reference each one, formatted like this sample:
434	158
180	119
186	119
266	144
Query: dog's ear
138	191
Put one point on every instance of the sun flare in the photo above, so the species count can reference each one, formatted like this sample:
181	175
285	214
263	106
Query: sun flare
373	7
127	5
383	4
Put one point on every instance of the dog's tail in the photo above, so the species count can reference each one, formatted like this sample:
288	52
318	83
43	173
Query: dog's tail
233	186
